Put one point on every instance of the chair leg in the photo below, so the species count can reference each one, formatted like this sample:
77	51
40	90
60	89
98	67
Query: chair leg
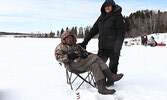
69	79
84	80
88	79
93	80
67	76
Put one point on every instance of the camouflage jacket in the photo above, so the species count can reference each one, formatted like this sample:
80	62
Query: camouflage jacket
62	51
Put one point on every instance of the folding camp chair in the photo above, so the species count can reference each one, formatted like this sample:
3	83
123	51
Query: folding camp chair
88	78
85	76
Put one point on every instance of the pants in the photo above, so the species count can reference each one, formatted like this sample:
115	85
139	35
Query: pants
93	63
114	60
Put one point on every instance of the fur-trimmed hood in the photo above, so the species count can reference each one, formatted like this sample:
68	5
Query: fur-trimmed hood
68	33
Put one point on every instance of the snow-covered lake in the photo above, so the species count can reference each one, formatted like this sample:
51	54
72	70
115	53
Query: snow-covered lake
29	71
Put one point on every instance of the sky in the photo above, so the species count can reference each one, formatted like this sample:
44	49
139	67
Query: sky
44	16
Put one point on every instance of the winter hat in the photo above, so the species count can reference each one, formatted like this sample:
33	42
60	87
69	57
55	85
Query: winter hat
66	34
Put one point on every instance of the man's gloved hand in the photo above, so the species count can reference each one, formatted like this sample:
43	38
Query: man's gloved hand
82	45
72	56
100	53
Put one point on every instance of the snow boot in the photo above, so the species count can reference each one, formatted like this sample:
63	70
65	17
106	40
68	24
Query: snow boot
109	83
111	76
101	87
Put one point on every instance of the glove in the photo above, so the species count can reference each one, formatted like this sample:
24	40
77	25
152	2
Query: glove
82	45
84	55
100	53
72	56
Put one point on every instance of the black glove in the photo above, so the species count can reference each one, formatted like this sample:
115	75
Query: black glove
82	45
100	53
72	56
84	55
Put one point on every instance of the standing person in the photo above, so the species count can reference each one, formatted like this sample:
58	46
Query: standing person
145	39
142	39
77	58
111	29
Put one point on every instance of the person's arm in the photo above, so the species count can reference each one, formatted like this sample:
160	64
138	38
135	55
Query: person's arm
61	55
94	30
120	27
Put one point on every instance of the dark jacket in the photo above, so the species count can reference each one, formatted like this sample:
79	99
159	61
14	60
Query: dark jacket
110	27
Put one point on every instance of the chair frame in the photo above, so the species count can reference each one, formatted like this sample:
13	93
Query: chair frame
88	79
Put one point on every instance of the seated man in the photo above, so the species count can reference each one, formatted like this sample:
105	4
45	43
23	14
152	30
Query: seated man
152	42
77	58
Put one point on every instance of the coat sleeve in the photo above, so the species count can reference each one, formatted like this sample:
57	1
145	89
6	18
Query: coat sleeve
61	54
94	30
120	27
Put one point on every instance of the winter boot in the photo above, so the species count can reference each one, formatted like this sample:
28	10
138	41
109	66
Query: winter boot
101	87
111	76
109	83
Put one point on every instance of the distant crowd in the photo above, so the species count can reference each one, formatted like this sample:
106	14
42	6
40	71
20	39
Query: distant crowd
145	41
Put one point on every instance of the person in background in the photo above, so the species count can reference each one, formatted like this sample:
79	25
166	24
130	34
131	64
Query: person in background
111	29
152	42
77	58
142	39
145	39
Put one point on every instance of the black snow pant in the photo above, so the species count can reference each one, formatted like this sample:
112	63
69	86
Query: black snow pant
114	61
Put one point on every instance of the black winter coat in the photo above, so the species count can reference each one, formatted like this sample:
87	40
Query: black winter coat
111	29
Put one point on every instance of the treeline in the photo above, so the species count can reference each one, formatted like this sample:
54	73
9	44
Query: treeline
79	32
146	21
8	33
31	35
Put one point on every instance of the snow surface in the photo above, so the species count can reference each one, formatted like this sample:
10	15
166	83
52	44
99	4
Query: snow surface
29	71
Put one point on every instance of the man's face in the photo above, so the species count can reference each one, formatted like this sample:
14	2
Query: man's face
69	40
108	9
